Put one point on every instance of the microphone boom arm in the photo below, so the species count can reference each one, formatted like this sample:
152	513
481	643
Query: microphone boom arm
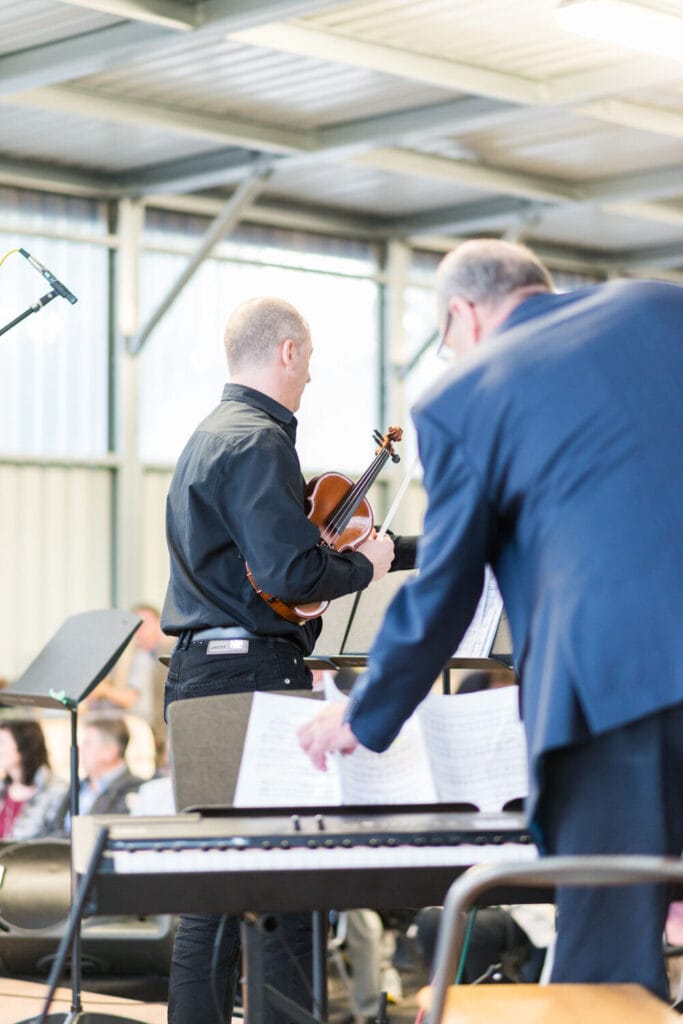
34	308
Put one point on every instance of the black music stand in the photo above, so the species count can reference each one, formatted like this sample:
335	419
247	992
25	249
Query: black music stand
78	657
351	623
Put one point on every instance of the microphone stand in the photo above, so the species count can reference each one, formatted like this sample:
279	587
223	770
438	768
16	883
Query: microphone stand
35	308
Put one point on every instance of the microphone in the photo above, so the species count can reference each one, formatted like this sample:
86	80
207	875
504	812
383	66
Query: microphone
60	288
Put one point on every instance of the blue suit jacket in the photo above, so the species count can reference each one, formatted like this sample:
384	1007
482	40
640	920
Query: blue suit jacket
556	455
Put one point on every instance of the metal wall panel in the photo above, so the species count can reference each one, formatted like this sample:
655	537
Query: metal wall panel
55	550
154	568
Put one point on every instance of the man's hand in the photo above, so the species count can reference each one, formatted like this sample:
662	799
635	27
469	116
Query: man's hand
327	733
380	551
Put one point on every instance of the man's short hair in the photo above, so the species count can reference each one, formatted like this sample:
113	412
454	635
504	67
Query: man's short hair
111	728
256	328
486	270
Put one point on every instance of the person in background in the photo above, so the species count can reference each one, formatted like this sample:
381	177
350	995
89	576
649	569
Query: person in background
107	786
136	683
30	795
553	454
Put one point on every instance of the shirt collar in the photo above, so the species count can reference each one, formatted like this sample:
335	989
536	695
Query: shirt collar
257	399
106	780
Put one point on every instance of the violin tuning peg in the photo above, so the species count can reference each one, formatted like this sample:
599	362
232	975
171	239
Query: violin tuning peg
395	457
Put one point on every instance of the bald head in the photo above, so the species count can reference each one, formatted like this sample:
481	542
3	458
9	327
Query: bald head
488	270
256	329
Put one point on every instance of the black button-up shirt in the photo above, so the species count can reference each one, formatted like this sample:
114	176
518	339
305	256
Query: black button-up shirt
237	495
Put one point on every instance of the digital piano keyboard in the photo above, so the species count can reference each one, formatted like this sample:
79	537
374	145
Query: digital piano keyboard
273	860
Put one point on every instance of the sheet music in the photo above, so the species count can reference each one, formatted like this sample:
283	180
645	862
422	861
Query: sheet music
399	775
274	770
477	746
466	748
481	632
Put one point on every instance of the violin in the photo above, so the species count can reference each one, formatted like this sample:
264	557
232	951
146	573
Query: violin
342	513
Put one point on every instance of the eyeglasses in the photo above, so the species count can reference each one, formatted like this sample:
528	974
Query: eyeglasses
443	352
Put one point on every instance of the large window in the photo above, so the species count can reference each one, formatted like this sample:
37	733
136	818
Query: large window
183	363
53	363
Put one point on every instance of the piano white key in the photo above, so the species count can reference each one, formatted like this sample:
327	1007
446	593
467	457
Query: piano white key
303	859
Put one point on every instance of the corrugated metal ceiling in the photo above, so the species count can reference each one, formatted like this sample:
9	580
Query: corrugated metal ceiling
34	22
437	116
221	77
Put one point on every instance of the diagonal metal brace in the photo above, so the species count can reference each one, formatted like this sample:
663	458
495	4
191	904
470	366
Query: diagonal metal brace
226	220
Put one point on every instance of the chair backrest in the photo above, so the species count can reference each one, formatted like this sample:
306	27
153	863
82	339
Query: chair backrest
206	738
545	873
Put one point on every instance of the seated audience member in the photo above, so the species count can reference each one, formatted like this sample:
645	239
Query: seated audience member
136	683
368	949
108	786
506	944
30	795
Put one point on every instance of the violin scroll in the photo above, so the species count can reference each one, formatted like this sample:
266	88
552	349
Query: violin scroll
387	441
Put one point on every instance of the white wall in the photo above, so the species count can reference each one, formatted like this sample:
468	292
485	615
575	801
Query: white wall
55	553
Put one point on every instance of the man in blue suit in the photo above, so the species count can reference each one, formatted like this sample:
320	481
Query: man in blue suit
554	453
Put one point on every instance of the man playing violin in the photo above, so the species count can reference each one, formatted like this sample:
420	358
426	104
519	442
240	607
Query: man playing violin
236	500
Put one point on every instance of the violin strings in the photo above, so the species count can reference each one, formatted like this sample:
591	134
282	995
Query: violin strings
350	502
351	499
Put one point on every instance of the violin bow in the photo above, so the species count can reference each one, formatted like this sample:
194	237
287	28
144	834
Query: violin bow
405	483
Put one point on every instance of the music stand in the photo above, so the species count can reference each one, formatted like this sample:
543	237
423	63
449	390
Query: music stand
78	657
351	624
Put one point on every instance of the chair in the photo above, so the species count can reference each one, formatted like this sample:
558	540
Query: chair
630	1004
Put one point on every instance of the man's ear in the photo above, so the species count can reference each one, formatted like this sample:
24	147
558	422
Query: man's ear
287	351
468	316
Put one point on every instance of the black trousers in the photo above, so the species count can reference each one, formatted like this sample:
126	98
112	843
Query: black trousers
206	954
621	792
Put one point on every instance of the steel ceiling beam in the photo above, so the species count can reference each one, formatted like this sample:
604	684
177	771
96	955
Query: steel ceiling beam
656	256
470	174
53	178
70	100
295	37
169	13
77	56
661	183
204	171
662	213
464	218
643	117
563	91
454	117
232	13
